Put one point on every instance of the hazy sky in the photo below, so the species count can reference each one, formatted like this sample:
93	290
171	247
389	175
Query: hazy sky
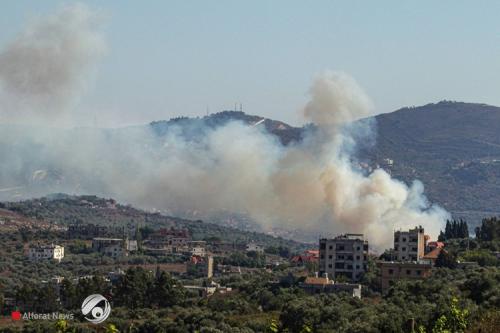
169	58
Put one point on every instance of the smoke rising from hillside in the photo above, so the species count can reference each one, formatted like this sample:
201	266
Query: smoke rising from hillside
315	184
44	69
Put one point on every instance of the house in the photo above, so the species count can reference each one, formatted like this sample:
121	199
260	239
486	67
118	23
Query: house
345	255
113	247
165	241
318	285
46	252
433	245
391	272
252	247
432	256
197	248
309	256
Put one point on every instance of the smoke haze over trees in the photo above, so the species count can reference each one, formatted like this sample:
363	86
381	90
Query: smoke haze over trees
314	184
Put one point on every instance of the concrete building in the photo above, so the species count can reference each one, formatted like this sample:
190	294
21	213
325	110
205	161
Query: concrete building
113	247
197	248
409	245
166	241
391	272
345	255
46	252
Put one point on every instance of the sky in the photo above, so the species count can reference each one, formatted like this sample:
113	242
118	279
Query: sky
172	58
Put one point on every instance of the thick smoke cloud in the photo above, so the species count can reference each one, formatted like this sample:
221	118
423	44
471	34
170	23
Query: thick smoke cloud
43	71
315	184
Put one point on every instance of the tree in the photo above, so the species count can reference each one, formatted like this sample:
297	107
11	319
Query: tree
455	321
134	288
445	259
166	293
489	230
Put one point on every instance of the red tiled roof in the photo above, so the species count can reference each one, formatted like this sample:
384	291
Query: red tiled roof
435	244
316	280
434	253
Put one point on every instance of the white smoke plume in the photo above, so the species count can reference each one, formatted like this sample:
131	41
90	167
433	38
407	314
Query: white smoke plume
314	184
44	69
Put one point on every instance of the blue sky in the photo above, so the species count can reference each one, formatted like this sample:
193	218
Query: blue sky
169	58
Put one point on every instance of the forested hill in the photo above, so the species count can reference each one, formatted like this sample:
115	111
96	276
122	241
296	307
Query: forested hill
452	147
62	210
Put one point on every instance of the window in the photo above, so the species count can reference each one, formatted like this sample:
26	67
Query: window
358	248
330	256
340	257
358	258
339	265
419	272
391	271
322	246
349	257
330	266
357	267
322	256
403	249
330	247
404	239
340	247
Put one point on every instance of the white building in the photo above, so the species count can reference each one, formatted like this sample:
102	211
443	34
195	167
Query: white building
344	255
252	247
46	252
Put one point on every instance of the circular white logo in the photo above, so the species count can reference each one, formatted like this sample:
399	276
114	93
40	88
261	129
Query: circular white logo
97	308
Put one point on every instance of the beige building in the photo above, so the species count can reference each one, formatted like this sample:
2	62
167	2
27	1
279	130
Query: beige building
391	272
344	255
409	245
46	252
319	285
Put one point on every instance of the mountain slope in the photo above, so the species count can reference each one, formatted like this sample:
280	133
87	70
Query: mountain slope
60	210
452	147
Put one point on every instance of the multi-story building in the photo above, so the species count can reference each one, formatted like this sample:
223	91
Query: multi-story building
197	248
114	247
409	245
44	252
164	241
391	272
345	255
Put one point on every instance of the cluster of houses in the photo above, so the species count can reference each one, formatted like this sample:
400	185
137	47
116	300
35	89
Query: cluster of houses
344	258
340	262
